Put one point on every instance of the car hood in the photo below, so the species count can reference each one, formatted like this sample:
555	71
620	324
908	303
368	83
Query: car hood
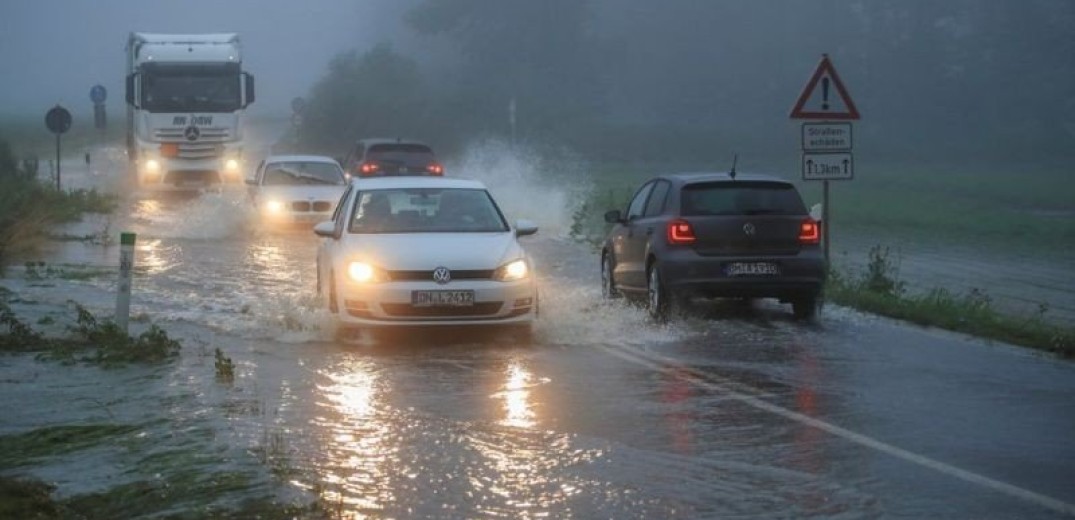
427	251
313	192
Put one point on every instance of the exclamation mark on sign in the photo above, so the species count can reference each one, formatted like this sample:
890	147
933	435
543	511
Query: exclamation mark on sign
825	93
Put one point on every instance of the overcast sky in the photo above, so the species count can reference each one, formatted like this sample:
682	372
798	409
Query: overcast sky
53	51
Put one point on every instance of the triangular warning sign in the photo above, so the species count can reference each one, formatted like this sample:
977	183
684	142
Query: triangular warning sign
830	101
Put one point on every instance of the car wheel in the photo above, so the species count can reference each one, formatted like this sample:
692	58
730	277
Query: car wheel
333	305
608	285
659	304
804	308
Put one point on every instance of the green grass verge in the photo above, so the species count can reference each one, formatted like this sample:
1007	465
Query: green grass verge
878	292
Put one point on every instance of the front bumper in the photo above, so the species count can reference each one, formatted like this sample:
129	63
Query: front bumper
388	304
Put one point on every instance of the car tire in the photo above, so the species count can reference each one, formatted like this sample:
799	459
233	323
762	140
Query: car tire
608	284
805	308
658	303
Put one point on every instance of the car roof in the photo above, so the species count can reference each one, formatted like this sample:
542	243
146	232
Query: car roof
692	177
300	158
415	181
385	140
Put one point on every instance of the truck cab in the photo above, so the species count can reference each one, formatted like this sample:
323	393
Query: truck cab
186	97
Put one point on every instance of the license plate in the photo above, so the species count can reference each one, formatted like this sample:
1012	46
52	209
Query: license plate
752	269
442	298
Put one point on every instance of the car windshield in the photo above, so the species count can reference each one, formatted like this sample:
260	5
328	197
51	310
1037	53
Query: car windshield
404	154
741	198
426	210
191	88
302	173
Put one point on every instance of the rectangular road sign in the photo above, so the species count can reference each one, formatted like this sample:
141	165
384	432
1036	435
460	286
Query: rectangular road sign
828	166
826	137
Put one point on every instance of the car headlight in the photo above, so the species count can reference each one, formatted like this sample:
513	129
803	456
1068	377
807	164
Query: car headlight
231	165
153	166
274	206
512	271
362	272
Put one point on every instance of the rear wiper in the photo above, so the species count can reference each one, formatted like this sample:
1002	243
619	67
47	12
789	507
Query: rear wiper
761	212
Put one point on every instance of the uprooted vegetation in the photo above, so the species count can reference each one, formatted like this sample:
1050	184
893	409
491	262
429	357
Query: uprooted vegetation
91	340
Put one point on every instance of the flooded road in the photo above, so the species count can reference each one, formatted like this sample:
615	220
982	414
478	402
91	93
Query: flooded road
730	411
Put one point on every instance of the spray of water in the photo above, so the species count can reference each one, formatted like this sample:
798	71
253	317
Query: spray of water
526	183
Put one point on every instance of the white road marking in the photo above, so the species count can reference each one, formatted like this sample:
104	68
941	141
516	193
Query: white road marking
725	386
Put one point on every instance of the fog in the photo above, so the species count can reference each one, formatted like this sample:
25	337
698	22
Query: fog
53	52
992	79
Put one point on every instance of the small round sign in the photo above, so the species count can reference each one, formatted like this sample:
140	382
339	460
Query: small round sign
98	94
58	120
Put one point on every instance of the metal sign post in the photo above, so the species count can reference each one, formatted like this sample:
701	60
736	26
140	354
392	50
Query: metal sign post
58	121
826	145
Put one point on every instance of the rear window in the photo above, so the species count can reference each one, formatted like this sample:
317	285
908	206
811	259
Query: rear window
741	198
409	154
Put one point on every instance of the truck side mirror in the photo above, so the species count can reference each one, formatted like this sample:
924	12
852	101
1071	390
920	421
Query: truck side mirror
249	89
130	90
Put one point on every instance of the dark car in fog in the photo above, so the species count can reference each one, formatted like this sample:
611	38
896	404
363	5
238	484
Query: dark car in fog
377	157
721	235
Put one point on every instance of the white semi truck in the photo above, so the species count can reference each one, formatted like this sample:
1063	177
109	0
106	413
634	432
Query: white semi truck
186	98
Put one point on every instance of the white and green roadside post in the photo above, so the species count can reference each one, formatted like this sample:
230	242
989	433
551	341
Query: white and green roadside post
123	292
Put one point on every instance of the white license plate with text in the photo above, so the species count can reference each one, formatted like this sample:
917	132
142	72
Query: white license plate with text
752	269
442	298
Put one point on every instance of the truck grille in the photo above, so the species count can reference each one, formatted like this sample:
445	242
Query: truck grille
175	135
200	150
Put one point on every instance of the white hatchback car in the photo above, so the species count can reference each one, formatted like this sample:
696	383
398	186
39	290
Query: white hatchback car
297	189
409	251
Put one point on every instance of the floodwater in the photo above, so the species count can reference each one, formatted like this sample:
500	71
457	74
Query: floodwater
730	411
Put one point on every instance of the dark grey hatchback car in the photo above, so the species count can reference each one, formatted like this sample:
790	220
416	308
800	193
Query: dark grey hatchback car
714	235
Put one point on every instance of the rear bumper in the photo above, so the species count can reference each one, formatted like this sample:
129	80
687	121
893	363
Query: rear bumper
687	273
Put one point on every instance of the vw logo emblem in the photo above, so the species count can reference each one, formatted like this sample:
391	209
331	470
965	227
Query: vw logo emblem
748	228
192	133
442	275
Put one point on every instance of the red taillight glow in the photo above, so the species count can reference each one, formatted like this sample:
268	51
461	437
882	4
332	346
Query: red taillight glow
680	232
368	168
435	169
809	232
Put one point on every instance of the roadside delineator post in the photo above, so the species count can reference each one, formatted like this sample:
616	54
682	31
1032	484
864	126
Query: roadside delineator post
123	293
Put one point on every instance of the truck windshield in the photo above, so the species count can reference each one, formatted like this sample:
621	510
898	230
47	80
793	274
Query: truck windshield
191	88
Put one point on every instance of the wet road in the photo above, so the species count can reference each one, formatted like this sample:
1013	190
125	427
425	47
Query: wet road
727	412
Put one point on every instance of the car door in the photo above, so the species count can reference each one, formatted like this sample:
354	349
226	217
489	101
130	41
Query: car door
630	242
328	249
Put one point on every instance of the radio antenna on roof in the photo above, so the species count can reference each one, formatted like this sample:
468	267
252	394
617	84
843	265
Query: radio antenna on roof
735	159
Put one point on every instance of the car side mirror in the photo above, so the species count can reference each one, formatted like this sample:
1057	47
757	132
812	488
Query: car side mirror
816	212
524	228
252	182
613	217
249	89
325	229
130	90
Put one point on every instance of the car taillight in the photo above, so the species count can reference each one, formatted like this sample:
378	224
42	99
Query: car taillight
680	232
435	169
809	232
368	168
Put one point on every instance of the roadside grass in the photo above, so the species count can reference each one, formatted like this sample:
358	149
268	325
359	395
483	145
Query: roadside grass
93	341
1030	212
879	291
29	208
